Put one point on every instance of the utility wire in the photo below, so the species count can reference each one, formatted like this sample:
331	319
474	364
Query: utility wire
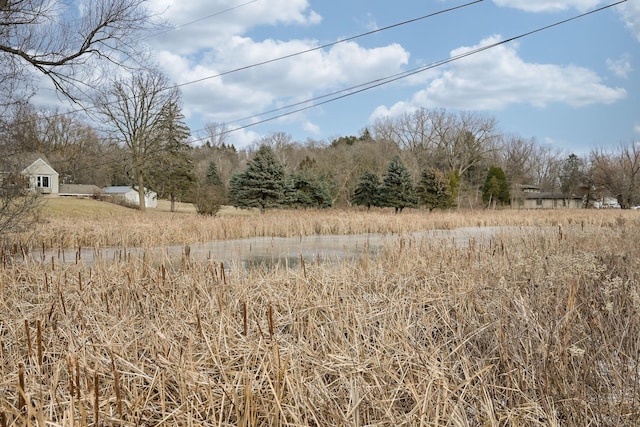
269	61
178	27
390	79
324	46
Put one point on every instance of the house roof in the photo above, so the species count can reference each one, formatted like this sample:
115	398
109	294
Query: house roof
122	189
118	189
38	166
79	190
549	195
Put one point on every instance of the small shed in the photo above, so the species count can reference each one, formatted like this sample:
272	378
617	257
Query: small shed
129	195
42	177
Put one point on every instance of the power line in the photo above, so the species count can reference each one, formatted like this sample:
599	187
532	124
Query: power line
281	58
204	18
324	46
352	90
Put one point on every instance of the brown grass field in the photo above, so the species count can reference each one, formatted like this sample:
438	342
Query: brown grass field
535	328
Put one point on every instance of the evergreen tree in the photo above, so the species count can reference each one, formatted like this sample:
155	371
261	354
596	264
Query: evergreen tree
305	191
397	186
213	176
367	192
434	190
262	185
210	195
171	170
496	188
572	175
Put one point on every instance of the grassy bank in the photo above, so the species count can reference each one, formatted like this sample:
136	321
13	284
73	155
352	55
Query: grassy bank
534	329
89	223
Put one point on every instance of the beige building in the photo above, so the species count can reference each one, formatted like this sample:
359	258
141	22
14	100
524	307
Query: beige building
42	177
530	197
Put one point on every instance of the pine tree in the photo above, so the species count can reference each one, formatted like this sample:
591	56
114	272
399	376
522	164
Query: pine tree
367	192
171	170
397	186
213	176
496	187
307	192
262	185
434	190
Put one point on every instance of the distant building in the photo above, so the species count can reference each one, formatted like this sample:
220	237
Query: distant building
81	190
129	196
531	197
39	173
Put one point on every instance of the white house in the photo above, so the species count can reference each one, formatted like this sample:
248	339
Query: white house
42	177
129	195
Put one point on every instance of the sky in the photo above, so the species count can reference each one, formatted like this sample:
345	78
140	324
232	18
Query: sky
575	86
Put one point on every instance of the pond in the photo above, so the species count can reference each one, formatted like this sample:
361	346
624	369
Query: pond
268	251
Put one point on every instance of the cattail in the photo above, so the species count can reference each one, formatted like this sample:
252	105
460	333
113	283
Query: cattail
39	342
21	392
116	385
270	318
26	328
244	318
96	398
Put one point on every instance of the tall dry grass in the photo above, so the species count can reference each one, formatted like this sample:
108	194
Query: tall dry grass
538	328
127	228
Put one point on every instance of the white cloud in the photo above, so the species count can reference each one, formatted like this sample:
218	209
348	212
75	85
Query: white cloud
312	128
498	77
631	15
220	44
254	90
636	128
548	5
621	67
207	24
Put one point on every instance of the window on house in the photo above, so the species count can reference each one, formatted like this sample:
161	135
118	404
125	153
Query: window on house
538	202
42	181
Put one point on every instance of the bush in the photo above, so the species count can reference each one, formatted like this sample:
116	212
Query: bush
209	200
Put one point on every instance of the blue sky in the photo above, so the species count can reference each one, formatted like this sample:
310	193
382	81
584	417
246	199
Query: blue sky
575	86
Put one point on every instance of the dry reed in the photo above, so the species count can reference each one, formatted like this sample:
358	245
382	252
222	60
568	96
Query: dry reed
534	328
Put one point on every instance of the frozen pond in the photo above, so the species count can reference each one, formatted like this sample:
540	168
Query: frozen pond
286	251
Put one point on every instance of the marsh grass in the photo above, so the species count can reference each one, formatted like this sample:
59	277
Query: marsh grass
95	224
535	328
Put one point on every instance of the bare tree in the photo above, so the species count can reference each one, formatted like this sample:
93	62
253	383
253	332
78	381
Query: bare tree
217	134
618	171
18	205
281	143
65	41
437	138
414	131
464	141
132	109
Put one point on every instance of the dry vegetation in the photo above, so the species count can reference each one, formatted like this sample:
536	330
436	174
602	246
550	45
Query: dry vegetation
538	328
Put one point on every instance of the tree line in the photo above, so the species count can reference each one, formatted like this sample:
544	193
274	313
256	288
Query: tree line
436	159
136	135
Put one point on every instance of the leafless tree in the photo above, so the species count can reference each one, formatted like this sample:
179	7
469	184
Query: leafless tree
414	131
618	171
217	134
18	205
464	141
438	138
526	161
131	107
65	41
281	143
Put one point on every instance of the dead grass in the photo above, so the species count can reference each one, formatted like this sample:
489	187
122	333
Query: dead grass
538	328
88	223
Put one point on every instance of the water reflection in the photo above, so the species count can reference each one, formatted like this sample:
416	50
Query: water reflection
267	251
